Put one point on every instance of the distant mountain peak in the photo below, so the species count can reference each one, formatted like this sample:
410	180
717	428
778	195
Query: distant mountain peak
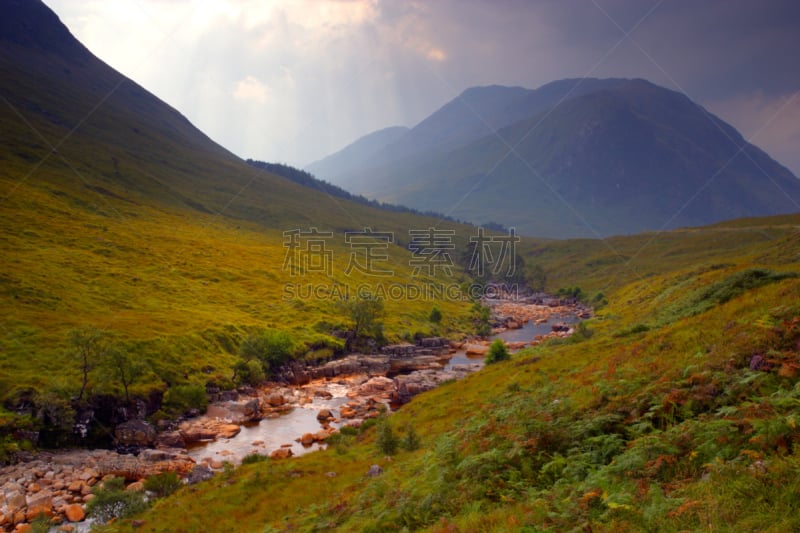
626	154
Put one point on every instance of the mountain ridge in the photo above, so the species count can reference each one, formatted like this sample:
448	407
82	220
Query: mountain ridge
565	163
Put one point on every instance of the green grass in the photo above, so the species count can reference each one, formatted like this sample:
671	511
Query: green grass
141	226
665	427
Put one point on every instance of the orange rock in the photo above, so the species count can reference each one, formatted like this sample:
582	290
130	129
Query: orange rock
476	349
281	453
136	486
307	439
74	512
347	412
320	436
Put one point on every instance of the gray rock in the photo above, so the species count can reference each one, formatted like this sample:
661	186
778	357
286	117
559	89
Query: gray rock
374	471
135	433
199	473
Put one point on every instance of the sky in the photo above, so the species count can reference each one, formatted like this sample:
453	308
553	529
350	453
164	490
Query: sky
292	81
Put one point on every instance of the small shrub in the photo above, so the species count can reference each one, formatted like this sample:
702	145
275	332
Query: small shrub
227	469
583	331
436	315
41	524
248	372
163	484
410	441
112	501
183	398
272	347
497	352
253	458
387	442
633	330
348	430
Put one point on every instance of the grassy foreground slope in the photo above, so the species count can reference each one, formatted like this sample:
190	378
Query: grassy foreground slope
678	409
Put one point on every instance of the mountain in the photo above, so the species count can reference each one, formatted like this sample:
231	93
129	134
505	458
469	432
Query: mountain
578	158
357	153
116	213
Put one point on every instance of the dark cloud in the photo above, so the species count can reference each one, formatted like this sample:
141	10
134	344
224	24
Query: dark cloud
293	80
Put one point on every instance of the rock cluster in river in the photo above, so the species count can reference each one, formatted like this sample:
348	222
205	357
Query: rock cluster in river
59	485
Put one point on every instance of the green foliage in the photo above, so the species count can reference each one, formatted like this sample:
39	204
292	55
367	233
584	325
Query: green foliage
181	399
88	346
633	330
56	417
365	312
481	316
163	484
497	352
40	524
722	291
253	458
410	441
570	292
385	440
273	348
250	372
436	315
122	368
111	501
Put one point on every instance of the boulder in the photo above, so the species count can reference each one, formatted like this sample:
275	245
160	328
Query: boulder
170	439
276	399
307	439
74	512
322	435
199	473
324	415
136	433
207	429
136	486
15	501
374	471
281	453
476	349
39	504
347	412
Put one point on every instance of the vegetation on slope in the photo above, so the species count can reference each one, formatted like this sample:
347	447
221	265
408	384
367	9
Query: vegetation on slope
119	216
688	423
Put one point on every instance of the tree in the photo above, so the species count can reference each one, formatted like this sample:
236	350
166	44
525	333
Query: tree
497	352
89	345
365	313
123	368
436	315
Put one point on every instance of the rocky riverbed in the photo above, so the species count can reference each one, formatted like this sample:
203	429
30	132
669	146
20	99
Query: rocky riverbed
309	406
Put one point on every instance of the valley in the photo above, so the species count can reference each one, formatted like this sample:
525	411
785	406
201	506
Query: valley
574	307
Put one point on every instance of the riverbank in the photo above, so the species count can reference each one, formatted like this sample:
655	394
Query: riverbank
276	420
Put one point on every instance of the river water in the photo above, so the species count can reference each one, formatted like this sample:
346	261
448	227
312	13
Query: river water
271	433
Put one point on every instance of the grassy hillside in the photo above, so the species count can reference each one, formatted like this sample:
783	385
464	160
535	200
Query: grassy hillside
675	409
118	214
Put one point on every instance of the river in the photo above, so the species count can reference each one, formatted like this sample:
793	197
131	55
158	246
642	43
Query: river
272	433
